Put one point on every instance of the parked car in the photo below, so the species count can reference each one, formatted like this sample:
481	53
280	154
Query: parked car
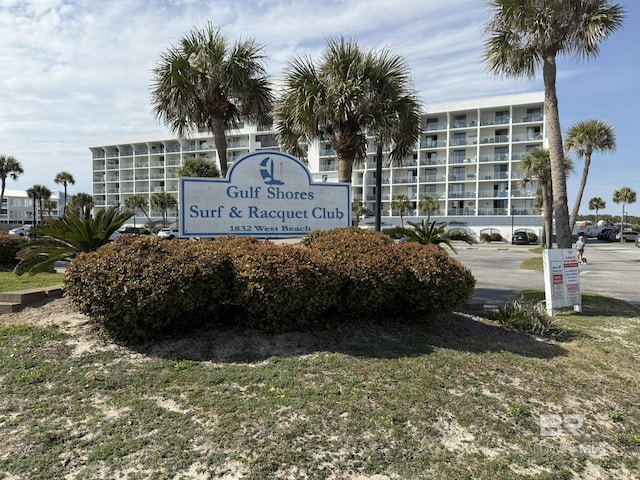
168	233
628	235
22	231
129	230
520	238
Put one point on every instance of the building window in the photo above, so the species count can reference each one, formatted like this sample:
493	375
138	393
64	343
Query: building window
459	121
502	116
432	124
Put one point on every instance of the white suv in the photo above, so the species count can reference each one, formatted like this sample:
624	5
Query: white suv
168	233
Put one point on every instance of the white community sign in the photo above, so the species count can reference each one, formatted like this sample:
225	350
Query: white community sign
561	279
266	194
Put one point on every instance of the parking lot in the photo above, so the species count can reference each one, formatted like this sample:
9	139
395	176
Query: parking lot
613	269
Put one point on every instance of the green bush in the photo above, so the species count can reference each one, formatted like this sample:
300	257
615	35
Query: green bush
10	245
485	237
496	237
283	288
366	265
533	238
435	282
141	286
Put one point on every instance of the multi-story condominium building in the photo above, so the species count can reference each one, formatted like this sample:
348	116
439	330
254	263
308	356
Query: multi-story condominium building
17	208
468	158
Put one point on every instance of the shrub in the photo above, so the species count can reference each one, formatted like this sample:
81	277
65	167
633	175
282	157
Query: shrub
527	317
496	237
435	281
485	237
10	245
283	288
533	238
365	264
140	286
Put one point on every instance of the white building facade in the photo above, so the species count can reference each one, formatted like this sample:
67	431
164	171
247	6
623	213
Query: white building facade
468	158
17	208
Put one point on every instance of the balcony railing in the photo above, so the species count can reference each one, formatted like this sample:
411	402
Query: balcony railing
433	143
405	180
528	118
462	160
432	178
492	211
495	139
462	194
499	157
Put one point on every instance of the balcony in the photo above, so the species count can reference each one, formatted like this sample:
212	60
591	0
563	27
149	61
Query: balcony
331	167
462	160
497	121
462	212
457	142
430	127
494	175
462	194
461	177
433	143
405	180
499	157
528	118
432	178
492	211
433	161
495	139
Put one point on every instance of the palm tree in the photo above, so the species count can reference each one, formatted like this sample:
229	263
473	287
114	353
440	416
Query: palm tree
9	167
64	178
199	167
402	204
527	34
584	138
537	165
38	193
163	201
597	203
49	205
348	93
32	194
358	210
427	233
624	195
63	238
428	204
205	82
135	202
81	203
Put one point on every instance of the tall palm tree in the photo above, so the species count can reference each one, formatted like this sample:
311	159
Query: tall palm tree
624	195
348	93
402	204
205	82
135	202
597	203
428	204
584	138
163	201
9	167
66	179
527	34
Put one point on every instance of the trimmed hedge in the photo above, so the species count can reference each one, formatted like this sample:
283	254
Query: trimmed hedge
10	245
140	286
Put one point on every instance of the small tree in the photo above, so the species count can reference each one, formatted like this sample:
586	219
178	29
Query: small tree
66	179
597	203
163	201
427	233
402	204
81	204
137	202
199	167
358	210
64	238
428	204
624	195
49	205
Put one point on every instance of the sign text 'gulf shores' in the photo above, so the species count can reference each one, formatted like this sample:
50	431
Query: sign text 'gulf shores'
266	194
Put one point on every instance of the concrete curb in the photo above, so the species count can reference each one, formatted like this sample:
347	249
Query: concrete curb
14	301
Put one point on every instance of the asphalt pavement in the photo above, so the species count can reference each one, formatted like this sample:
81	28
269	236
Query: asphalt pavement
612	269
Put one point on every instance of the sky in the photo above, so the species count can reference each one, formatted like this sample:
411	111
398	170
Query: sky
78	72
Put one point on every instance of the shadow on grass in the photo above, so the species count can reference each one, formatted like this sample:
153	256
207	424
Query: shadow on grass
593	305
386	340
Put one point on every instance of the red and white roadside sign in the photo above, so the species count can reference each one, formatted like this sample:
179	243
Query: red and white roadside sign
562	279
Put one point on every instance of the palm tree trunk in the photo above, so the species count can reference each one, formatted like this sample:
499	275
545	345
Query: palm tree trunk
220	139
556	154
583	183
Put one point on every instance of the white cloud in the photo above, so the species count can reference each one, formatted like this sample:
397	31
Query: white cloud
77	71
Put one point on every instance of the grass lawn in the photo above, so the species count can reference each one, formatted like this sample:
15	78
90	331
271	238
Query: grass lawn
10	282
459	399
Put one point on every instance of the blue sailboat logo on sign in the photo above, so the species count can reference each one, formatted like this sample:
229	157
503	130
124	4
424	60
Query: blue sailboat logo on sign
267	172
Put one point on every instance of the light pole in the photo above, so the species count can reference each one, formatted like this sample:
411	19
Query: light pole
378	186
